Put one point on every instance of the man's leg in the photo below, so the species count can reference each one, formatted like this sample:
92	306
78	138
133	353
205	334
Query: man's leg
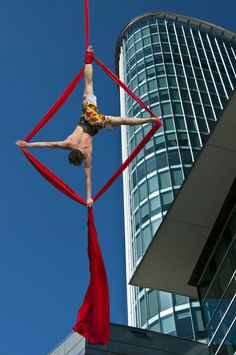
130	121
88	76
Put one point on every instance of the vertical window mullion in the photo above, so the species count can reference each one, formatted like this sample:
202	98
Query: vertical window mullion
219	73
217	44
226	51
213	80
191	101
200	64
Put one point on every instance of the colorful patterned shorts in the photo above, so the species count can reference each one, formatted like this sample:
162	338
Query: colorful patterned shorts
91	120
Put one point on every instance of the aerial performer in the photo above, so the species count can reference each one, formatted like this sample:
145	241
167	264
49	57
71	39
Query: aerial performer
80	141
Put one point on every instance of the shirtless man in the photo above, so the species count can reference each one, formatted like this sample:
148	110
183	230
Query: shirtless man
81	140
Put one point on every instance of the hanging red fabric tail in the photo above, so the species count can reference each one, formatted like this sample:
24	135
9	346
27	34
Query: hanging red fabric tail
64	96
94	314
52	178
86	22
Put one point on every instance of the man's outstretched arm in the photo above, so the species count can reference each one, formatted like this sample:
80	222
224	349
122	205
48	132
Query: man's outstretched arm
59	144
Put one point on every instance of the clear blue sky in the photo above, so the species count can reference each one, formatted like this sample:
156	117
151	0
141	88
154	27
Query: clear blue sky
43	243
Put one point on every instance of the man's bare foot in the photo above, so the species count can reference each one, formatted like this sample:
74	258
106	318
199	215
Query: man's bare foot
21	143
154	119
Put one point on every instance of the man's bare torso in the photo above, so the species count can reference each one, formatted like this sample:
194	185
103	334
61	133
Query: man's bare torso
82	141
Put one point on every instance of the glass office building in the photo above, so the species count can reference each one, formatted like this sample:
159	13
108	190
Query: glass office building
185	70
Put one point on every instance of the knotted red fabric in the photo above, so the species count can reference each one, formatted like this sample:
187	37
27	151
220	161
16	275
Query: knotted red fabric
90	321
93	316
88	57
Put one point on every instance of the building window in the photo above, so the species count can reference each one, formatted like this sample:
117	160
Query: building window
143	191
179	300
143	312
177	109
138	46
165	300
160	70
191	123
197	321
138	247
155	38
145	31
168	123
134	179
173	156
152	85
167	198
163	94
156	327
136	218
152	184
156	48
202	125
155	205
146	237
183	139
152	303
149	148
195	141
144	213
172	82
143	89
153	29
150	165
161	160
186	156
168	325
171	140
155	225
174	94
137	35
184	324
164	179
153	98
162	83
141	173
166	110
177	177
139	136
147	50
157	110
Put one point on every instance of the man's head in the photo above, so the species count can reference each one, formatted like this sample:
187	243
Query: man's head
75	157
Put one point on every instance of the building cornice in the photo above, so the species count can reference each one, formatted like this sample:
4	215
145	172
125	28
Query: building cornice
231	36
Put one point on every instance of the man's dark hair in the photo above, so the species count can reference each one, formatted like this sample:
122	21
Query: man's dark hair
75	157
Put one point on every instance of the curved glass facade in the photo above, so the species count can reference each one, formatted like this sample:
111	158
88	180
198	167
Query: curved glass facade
185	70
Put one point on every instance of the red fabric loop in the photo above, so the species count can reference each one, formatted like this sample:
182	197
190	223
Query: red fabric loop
93	315
88	57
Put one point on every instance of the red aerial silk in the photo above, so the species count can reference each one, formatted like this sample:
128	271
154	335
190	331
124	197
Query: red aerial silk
93	316
95	308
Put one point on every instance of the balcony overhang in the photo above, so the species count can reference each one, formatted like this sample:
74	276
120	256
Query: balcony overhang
176	248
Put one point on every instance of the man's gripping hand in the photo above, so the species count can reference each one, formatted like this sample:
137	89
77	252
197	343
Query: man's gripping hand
89	202
22	144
